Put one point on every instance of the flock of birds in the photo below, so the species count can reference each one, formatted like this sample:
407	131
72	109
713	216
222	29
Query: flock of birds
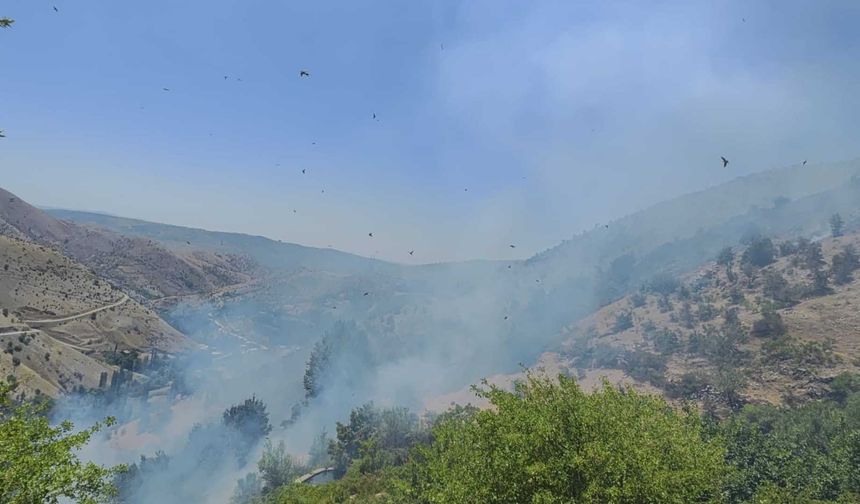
6	22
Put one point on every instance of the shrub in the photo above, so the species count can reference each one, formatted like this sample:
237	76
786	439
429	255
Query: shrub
623	321
770	325
637	300
663	284
550	442
843	265
759	253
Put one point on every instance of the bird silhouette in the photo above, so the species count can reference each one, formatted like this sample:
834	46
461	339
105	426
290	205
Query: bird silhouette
226	77
725	161
188	242
366	293
6	22
411	252
606	226
56	9
506	317
370	235
303	170
2	135
165	89
374	115
512	246
804	163
304	73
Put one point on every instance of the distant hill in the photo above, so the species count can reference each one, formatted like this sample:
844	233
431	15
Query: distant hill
142	267
58	320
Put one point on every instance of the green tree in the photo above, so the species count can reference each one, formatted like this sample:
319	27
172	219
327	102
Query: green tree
38	463
277	467
550	442
759	253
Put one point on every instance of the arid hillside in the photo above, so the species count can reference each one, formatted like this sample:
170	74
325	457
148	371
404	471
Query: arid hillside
141	267
59	321
772	322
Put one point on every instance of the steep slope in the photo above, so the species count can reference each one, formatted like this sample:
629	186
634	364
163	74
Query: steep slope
734	332
58	320
142	267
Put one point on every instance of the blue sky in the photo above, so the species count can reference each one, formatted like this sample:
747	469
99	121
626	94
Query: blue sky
554	115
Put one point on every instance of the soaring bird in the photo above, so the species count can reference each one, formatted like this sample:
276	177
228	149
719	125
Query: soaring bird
366	293
374	115
165	89
304	73
188	242
6	22
725	161
804	163
512	246
411	252
370	235
303	170
2	135
56	9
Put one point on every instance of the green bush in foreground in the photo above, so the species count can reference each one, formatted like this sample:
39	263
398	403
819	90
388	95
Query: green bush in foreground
550	442
37	461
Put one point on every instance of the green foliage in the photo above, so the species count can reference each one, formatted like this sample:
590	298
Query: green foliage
623	321
552	443
277	467
770	325
355	488
843	265
342	354
375	438
809	452
663	284
759	253
844	385
665	341
798	352
776	287
247	424
38	462
726	257
318	455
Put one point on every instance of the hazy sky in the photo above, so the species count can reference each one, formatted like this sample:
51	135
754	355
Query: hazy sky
554	115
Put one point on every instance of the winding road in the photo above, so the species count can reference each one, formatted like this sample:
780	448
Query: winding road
77	316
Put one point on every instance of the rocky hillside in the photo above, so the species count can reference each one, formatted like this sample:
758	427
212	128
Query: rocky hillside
59	321
141	267
773	321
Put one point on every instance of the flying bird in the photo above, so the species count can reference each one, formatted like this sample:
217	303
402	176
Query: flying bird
374	115
512	246
304	73
303	170
370	235
165	89
725	161
56	9
188	242
506	317
411	252
6	22
366	293
606	226
2	135
804	163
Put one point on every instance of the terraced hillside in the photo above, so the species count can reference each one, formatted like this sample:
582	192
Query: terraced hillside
58	320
